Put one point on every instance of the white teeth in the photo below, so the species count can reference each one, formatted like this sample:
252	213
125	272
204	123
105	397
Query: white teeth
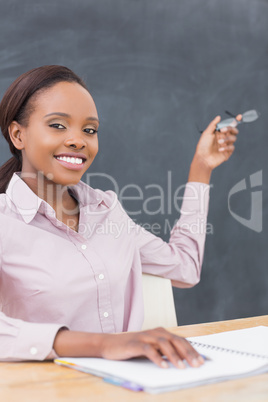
75	161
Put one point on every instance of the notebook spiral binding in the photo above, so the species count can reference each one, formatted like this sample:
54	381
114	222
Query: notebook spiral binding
220	349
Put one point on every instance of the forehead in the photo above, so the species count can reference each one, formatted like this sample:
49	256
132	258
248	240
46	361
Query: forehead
65	97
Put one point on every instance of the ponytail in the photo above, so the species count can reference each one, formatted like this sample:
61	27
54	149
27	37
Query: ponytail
6	171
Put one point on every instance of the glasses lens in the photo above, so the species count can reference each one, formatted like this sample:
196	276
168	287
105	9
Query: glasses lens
227	122
249	116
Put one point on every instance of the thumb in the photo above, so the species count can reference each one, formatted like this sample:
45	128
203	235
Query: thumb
213	124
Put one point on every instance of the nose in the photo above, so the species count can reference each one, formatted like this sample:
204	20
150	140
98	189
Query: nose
75	140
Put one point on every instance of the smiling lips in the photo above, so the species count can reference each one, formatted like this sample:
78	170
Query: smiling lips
71	161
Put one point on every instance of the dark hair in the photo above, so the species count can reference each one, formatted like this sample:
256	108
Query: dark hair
15	106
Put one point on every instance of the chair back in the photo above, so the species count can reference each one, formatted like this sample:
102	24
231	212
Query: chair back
159	307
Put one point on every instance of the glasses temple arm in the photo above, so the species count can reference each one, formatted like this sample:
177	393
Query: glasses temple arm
229	113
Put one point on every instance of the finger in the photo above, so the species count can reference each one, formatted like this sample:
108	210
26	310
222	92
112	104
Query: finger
152	354
182	347
227	140
167	349
229	130
187	352
230	138
239	117
227	148
220	137
211	128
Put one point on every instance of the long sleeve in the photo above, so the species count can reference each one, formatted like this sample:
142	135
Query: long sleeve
181	258
21	340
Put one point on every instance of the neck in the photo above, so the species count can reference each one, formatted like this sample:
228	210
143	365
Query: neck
56	195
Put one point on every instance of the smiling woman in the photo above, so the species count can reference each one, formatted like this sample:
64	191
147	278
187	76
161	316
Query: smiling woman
18	107
67	287
51	133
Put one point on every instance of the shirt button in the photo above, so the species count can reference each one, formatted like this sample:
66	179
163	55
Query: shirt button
33	351
105	314
101	276
83	247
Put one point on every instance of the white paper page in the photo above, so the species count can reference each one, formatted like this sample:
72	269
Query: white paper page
147	374
251	340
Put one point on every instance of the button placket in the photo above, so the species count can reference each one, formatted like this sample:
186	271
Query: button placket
105	308
102	284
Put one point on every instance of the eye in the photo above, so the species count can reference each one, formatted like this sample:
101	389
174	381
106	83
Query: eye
91	131
57	125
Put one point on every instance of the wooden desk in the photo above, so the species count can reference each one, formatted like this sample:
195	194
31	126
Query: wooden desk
48	382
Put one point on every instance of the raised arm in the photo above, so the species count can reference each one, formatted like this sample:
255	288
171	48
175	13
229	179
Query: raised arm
181	258
213	148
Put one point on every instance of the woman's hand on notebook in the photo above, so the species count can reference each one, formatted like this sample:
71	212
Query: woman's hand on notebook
154	344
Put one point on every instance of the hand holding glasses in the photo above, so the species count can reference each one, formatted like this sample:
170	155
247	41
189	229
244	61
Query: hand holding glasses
219	149
247	117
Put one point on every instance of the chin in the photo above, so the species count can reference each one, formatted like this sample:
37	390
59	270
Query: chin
68	180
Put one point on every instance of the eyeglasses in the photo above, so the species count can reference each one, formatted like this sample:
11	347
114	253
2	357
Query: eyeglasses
247	117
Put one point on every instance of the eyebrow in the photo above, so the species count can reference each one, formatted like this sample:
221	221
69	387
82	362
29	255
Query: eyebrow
67	115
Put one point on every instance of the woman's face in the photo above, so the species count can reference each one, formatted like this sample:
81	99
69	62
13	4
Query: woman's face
60	140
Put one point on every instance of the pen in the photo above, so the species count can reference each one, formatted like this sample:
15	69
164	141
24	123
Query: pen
206	358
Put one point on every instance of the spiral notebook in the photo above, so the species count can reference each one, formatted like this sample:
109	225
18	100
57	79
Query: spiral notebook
231	355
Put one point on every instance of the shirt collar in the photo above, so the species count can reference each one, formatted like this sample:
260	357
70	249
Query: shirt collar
87	195
28	203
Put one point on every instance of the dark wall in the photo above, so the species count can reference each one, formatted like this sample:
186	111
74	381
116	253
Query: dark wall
157	70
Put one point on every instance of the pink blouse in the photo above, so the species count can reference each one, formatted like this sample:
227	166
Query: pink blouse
90	280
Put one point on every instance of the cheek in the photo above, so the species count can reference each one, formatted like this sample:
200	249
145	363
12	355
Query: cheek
37	148
94	147
39	140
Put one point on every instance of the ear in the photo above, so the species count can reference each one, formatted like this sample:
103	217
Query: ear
16	134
